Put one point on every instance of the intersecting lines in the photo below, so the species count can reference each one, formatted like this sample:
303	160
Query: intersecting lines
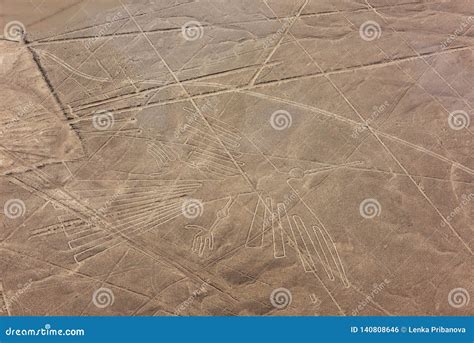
312	243
73	70
30	127
165	147
131	211
31	143
204	150
162	154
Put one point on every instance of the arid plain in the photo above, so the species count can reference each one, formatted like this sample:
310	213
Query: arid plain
247	157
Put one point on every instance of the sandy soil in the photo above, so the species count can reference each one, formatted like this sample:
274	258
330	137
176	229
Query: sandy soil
297	157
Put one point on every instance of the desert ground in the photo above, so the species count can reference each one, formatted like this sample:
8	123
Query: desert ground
236	157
